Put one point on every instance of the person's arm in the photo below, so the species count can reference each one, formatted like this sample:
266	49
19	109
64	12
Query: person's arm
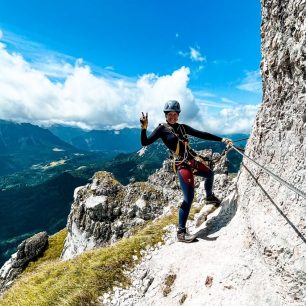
145	141
203	135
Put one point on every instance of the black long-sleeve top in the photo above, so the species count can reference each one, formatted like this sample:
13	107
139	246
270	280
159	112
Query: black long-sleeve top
172	133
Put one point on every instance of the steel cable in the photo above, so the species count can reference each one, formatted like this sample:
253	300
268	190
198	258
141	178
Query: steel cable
276	177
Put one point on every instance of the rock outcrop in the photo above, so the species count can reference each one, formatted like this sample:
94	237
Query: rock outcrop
27	251
105	211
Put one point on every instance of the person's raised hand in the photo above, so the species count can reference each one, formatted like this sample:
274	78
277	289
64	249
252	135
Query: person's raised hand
144	121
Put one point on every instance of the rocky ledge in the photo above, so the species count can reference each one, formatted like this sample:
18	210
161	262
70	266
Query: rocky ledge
27	251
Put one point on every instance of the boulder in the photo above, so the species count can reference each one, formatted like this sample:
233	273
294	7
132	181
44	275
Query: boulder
27	251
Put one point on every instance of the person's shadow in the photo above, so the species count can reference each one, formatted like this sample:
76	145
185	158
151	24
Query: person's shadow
226	214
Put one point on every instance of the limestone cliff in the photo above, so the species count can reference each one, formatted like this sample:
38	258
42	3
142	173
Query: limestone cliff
276	215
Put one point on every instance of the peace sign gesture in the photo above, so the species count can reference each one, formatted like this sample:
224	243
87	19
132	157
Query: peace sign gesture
144	121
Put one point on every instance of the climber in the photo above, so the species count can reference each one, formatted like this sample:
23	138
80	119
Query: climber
186	161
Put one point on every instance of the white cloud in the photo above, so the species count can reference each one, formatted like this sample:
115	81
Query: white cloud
154	91
30	92
238	119
204	93
84	99
222	115
196	56
251	82
229	101
211	103
227	120
184	54
53	68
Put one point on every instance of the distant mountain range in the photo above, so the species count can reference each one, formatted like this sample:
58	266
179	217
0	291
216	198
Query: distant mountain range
23	145
125	140
24	137
66	133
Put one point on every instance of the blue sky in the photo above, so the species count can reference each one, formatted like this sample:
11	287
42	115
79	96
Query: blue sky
99	63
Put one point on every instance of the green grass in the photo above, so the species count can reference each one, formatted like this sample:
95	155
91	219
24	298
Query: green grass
81	280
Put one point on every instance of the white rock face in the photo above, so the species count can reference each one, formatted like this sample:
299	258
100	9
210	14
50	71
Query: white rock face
5	269
276	215
77	242
95	202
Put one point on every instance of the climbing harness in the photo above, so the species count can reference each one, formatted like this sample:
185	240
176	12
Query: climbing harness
276	177
177	159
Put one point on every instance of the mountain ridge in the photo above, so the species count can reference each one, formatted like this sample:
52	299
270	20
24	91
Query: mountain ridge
23	145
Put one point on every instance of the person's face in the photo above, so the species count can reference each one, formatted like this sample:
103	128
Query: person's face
172	117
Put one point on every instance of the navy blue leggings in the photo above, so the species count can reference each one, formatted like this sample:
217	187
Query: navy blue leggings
186	179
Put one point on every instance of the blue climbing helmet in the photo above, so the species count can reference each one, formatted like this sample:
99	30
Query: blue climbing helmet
172	106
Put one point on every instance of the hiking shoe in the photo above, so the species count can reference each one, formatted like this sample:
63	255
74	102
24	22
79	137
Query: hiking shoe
212	199
185	237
